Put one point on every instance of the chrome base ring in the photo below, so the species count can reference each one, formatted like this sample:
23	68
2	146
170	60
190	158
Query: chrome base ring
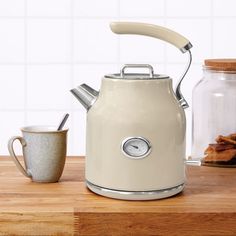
135	195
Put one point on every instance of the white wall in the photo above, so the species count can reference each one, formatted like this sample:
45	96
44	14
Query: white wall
50	46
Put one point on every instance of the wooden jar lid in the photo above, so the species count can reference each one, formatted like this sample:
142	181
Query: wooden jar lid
221	64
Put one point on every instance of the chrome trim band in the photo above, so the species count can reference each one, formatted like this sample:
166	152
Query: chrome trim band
135	195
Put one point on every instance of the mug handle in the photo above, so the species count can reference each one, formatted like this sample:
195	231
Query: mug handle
13	155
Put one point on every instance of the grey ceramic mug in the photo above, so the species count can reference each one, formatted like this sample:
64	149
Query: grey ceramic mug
44	152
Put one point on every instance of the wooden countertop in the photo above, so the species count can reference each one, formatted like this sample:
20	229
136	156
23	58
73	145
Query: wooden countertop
206	207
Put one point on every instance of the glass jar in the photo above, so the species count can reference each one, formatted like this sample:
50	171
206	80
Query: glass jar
214	114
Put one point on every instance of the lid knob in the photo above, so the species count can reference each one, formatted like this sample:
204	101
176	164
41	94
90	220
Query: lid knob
150	68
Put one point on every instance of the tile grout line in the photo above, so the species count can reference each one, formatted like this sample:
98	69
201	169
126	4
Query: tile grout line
72	48
86	63
25	65
112	17
119	42
40	109
165	46
212	27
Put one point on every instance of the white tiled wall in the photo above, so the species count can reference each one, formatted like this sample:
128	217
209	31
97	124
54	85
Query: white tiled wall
50	46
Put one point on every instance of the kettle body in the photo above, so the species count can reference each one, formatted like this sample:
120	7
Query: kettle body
129	110
135	137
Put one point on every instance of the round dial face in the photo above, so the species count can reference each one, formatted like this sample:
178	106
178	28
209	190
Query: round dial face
136	147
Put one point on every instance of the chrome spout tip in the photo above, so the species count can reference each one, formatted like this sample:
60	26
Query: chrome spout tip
86	95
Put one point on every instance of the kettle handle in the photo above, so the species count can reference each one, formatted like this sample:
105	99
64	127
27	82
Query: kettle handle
164	34
155	31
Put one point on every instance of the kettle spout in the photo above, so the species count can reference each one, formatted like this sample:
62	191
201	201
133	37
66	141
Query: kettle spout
86	95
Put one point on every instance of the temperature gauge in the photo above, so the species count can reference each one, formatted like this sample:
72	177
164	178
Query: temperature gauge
136	147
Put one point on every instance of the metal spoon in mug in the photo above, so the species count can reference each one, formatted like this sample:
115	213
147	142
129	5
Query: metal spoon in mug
63	121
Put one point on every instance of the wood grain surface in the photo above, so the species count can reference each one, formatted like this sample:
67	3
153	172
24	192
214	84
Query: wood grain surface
206	207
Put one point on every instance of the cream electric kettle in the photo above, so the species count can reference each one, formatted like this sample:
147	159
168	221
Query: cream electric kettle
135	144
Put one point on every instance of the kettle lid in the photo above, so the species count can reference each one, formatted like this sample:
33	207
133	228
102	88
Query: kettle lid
136	76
